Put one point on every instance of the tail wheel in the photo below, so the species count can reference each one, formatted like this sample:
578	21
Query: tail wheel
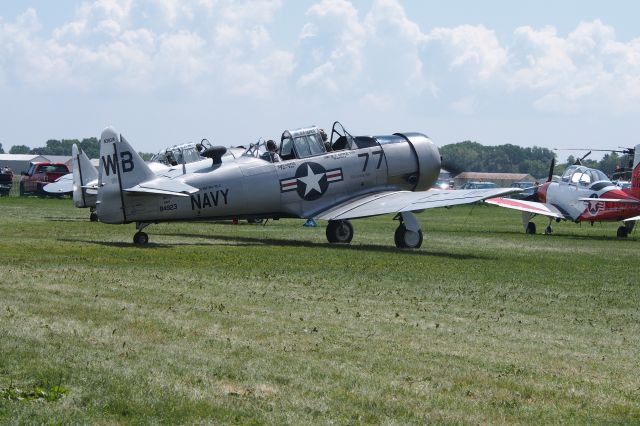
623	232
140	238
93	217
339	231
548	230
531	228
405	238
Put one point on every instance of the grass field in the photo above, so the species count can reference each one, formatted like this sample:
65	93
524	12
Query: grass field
244	324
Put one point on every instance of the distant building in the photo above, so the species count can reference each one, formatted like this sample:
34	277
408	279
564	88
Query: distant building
501	179
20	162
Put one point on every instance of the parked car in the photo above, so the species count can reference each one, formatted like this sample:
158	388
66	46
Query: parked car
479	185
6	181
40	174
523	185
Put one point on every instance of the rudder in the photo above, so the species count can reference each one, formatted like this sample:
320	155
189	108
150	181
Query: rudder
84	174
120	168
635	174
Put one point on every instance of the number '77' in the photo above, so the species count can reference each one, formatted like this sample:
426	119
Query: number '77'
366	159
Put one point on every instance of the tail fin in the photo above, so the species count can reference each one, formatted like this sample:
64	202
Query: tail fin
84	175
120	168
635	174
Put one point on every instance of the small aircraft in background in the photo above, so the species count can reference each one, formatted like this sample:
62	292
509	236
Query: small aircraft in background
581	194
339	179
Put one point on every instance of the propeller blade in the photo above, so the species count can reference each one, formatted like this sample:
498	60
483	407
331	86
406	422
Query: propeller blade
553	163
451	166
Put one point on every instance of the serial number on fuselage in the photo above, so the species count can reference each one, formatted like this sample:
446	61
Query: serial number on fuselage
286	166
340	155
168	207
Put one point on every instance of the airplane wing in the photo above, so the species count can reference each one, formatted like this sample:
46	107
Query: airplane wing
163	186
612	200
631	219
61	185
404	201
527	206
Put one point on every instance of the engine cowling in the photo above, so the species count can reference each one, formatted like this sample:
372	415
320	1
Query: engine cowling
413	160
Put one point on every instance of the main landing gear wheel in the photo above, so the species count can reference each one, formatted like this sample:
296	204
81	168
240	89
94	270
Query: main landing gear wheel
140	238
623	232
339	231
405	238
531	228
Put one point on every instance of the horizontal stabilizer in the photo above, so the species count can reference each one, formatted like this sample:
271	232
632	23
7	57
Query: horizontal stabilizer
632	219
527	206
62	185
163	186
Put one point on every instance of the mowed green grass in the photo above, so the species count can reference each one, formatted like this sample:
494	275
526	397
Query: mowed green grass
244	324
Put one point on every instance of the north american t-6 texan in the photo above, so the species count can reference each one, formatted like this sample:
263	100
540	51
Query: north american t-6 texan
337	179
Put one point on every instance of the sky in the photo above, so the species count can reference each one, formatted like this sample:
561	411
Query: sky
163	72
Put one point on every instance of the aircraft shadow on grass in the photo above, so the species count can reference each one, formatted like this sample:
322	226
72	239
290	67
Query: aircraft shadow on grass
65	219
251	241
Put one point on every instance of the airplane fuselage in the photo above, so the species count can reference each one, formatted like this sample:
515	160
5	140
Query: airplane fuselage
570	197
251	187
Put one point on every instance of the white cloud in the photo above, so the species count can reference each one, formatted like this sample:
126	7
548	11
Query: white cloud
588	69
336	22
378	55
475	47
107	17
106	44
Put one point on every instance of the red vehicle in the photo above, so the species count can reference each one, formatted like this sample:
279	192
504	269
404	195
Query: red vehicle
40	174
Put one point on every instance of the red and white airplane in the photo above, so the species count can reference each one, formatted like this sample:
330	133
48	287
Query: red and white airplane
581	194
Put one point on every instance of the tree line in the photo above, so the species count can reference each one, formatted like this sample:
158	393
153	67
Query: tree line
508	158
91	147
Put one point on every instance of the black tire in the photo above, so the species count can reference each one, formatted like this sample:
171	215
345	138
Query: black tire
22	191
93	217
531	228
339	231
407	239
255	221
623	232
548	230
140	238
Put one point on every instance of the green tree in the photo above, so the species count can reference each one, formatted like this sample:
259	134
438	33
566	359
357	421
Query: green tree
20	149
508	158
91	147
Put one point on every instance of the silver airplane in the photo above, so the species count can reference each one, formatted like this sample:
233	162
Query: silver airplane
336	180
